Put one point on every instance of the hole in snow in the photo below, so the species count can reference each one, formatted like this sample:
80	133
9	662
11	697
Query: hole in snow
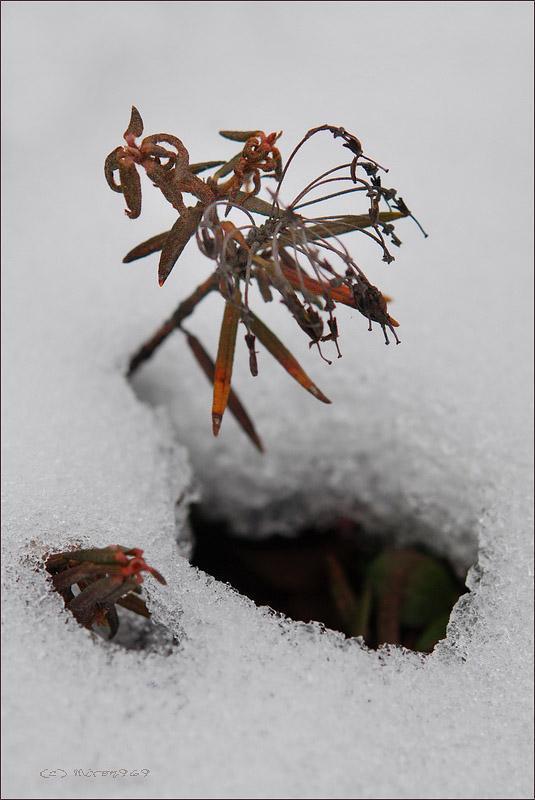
391	570
341	576
140	633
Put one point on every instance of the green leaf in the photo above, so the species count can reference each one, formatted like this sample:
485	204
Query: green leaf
434	632
423	585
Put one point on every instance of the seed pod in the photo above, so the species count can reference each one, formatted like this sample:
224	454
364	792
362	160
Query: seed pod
250	342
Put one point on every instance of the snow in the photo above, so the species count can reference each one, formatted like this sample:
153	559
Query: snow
430	441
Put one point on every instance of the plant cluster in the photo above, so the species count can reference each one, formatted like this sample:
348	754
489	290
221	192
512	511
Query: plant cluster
104	577
299	257
401	597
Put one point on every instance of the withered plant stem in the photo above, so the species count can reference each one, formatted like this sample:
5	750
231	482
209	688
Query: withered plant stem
185	308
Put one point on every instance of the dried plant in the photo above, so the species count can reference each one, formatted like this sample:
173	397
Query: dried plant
104	577
301	258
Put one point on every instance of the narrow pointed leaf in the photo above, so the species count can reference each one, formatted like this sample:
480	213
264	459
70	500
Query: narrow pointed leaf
81	572
225	360
99	597
284	357
344	598
234	404
152	245
362	620
83	605
134	603
201	166
263	285
179	236
291	300
342	224
227	167
299	279
238	136
256	205
112	620
412	589
131	186
135	126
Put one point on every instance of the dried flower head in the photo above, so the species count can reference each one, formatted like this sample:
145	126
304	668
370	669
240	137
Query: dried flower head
301	258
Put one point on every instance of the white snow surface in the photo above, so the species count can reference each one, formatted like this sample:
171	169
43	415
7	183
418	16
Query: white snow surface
430	441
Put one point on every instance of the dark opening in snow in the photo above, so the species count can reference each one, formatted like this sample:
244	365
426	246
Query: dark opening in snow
338	576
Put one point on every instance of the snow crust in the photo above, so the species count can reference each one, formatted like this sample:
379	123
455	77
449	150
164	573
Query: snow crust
430	441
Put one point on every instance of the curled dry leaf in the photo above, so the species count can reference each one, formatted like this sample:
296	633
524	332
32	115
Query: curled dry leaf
131	188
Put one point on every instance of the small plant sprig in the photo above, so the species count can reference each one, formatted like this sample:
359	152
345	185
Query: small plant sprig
301	258
105	577
405	598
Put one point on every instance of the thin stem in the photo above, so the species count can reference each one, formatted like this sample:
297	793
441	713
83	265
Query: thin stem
329	196
252	251
185	308
316	182
226	239
305	138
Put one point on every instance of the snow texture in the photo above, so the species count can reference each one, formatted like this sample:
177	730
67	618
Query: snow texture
430	441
